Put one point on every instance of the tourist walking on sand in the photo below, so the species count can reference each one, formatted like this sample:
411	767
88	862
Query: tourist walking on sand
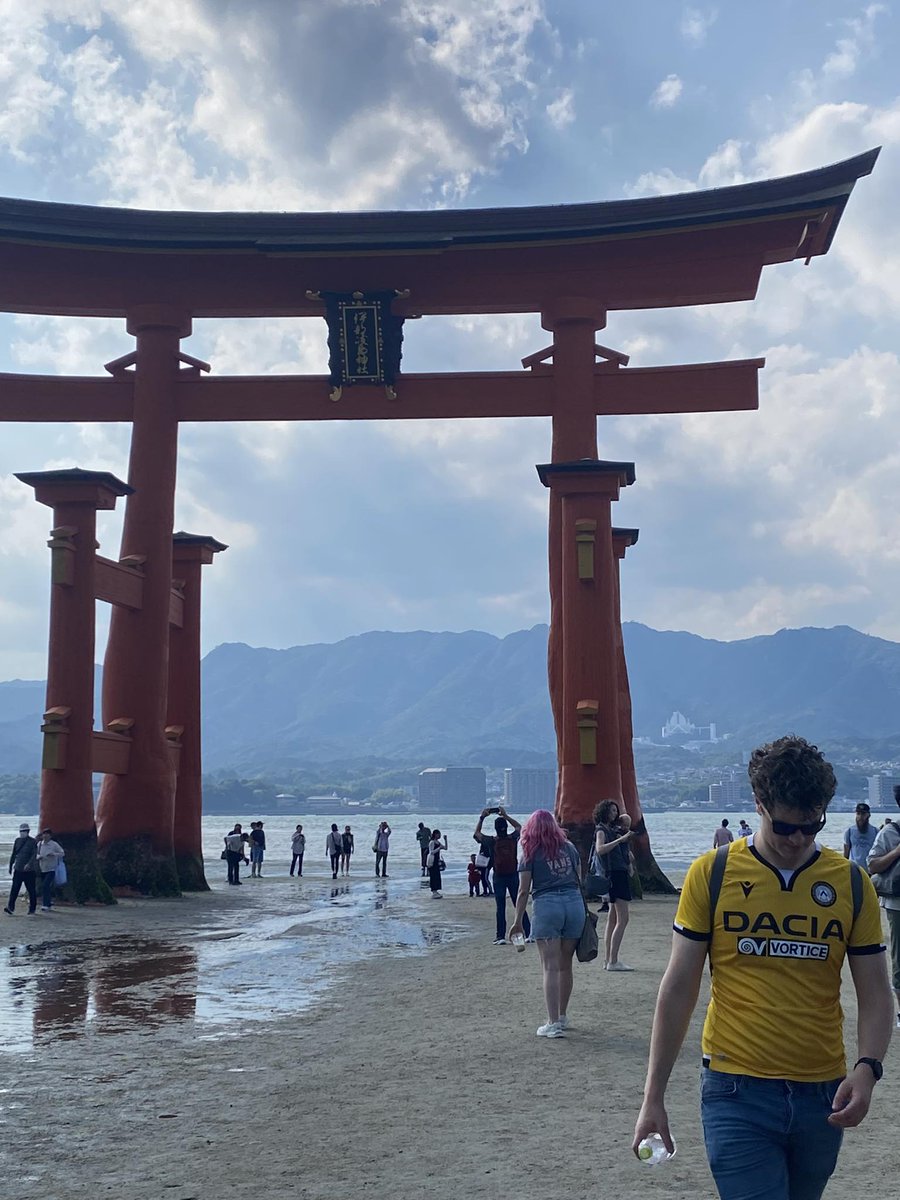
298	849
883	859
234	853
860	837
723	835
257	849
346	850
611	837
423	837
381	845
433	862
334	848
49	855
23	866
550	869
503	851
777	918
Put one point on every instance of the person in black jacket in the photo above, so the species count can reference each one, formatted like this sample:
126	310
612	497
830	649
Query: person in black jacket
23	868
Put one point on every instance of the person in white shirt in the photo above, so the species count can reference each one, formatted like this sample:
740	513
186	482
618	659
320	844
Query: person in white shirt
49	855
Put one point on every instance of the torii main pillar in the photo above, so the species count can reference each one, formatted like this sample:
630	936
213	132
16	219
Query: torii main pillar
136	812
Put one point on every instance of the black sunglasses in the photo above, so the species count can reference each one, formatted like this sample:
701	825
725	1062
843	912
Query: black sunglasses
786	828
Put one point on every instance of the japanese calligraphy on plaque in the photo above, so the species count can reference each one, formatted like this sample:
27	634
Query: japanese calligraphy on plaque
365	339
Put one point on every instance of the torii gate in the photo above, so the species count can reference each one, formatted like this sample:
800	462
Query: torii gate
572	264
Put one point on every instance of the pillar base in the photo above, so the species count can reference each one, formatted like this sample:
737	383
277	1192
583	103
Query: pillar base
191	875
85	883
133	863
581	835
652	878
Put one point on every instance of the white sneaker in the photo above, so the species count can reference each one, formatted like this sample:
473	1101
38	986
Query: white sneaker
551	1030
437	895
499	941
618	966
563	1022
45	908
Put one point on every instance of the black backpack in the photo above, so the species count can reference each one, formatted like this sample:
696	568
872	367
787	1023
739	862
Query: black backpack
506	855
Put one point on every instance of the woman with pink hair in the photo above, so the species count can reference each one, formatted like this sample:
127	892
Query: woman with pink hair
550	869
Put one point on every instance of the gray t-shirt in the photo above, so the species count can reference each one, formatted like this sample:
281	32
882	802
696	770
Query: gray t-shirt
860	842
887	839
553	875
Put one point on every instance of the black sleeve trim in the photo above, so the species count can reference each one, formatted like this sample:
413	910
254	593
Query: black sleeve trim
865	949
689	933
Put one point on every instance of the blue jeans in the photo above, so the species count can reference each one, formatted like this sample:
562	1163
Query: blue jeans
502	885
768	1139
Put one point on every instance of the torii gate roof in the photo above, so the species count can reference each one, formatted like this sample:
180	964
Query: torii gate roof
691	248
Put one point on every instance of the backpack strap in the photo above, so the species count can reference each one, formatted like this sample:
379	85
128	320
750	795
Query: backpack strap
716	875
856	888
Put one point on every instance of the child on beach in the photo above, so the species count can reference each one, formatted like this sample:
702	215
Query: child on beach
474	877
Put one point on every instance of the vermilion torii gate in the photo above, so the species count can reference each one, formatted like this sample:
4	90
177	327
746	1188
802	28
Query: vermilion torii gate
572	264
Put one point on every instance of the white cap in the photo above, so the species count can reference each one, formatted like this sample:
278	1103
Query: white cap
23	828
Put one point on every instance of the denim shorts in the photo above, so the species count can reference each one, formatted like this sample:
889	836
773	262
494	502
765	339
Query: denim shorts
256	854
768	1139
558	914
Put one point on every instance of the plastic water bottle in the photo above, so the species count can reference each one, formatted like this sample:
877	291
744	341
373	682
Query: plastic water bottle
652	1151
519	941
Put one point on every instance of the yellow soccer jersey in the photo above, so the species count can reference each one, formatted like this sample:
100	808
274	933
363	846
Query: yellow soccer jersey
776	955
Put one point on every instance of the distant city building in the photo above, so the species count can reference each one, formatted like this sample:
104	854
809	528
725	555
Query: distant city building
881	791
452	789
528	788
728	792
678	725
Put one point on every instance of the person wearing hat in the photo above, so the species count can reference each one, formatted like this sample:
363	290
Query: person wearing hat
23	868
860	838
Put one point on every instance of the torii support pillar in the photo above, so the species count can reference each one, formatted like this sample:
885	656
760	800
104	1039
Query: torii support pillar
136	813
67	799
190	553
651	877
589	765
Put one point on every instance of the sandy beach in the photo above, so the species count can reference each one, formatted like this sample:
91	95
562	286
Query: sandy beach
414	1072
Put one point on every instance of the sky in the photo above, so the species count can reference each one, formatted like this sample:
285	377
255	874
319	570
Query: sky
749	522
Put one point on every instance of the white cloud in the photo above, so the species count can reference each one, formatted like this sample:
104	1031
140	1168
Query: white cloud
561	111
859	40
696	24
667	93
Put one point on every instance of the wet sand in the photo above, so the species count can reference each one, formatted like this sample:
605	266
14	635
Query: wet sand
416	1072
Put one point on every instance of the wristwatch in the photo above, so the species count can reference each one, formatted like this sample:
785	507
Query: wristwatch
877	1068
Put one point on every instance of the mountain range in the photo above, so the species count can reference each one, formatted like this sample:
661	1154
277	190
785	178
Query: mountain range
434	698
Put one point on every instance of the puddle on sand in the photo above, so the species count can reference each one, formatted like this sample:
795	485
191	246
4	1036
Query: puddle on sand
274	967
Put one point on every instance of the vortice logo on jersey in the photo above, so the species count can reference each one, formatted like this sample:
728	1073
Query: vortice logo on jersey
824	894
794	925
758	947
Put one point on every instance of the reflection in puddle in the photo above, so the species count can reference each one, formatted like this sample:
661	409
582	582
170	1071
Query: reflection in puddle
275	966
113	983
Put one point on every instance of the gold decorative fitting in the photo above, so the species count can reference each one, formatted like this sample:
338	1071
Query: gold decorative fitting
585	539
120	725
586	712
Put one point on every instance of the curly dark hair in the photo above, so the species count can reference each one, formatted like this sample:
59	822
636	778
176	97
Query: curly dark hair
604	809
791	772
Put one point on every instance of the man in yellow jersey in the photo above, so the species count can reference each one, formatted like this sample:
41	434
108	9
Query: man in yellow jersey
776	913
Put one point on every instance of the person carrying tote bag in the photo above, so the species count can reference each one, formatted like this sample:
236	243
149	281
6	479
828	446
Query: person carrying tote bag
550	870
